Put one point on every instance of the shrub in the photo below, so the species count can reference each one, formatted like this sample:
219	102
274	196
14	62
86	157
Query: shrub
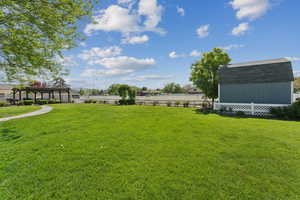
186	104
126	101
2	103
155	103
122	102
90	101
131	102
53	101
28	102
240	113
290	112
222	109
177	103
117	102
42	102
205	105
169	103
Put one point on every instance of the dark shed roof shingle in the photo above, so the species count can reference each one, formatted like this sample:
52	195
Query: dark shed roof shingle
266	71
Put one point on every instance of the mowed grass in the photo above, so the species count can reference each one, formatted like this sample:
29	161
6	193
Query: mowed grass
92	152
16	110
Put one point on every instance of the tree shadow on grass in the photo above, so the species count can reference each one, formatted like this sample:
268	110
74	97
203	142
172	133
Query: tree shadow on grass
8	135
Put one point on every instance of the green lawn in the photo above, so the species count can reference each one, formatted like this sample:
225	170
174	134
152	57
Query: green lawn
16	110
87	152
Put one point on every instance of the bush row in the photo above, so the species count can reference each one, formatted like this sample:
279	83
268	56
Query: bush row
290	112
3	103
127	102
39	102
133	102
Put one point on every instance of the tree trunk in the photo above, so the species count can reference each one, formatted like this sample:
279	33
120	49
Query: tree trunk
212	101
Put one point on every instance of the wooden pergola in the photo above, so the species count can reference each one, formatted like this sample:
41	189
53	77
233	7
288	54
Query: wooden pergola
41	91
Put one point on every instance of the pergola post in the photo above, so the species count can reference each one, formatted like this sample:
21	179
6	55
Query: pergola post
26	94
34	97
69	97
42	95
49	95
20	95
59	92
14	97
53	97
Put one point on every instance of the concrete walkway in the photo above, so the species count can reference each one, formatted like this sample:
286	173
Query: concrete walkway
43	110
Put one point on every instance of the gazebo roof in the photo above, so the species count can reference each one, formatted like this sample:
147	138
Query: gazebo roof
36	89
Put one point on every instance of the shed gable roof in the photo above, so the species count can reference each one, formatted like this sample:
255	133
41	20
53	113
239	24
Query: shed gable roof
266	71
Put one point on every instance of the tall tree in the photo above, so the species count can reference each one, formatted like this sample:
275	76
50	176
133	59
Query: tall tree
172	88
205	72
34	32
59	83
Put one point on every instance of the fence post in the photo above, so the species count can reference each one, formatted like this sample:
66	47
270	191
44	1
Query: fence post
252	108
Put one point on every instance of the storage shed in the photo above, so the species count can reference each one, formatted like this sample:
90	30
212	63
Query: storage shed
259	82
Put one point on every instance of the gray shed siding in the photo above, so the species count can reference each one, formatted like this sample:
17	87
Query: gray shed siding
264	93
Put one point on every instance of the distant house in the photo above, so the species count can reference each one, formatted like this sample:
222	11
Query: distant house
260	82
194	91
5	90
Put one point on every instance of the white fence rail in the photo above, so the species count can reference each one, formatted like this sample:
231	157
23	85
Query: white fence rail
249	109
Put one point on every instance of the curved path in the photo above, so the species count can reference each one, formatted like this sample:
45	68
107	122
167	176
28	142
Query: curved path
43	110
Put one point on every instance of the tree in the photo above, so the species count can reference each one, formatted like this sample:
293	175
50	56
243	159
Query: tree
59	83
204	73
81	92
113	89
127	94
172	88
123	91
33	34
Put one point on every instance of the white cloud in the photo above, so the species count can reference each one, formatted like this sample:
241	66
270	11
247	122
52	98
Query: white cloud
127	20
250	9
232	46
195	53
97	52
117	66
293	59
181	11
124	62
152	11
135	39
241	29
173	55
83	44
148	77
202	31
67	61
124	1
114	18
105	72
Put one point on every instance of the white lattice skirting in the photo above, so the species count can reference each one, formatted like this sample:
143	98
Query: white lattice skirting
249	109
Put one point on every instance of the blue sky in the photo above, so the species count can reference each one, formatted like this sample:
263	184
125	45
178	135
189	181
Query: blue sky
153	42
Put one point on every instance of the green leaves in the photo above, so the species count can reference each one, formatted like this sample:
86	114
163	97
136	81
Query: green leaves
34	33
205	71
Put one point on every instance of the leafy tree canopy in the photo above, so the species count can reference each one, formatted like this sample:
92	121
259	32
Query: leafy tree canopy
173	88
34	32
205	71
